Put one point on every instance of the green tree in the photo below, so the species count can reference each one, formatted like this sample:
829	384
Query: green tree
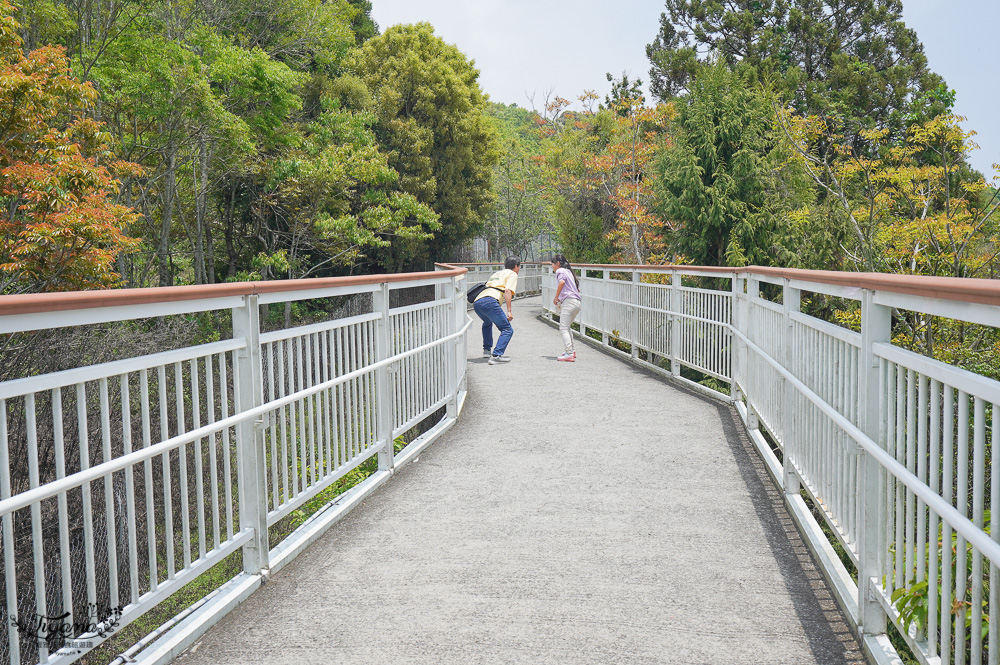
192	112
523	208
570	141
854	59
431	120
333	201
362	23
713	181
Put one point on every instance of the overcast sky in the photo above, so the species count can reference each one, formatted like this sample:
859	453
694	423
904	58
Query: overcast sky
525	48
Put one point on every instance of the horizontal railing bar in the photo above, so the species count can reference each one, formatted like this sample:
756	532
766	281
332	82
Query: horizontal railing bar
986	291
713	271
956	377
769	279
57	318
965	289
982	291
985	314
50	302
312	294
691	317
837	291
657	310
420	306
962	524
77	479
827	328
312	328
428	281
498	264
726	295
69	377
768	305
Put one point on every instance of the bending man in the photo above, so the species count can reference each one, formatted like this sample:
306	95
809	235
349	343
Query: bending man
499	289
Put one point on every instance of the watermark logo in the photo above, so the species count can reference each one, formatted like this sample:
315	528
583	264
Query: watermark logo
100	622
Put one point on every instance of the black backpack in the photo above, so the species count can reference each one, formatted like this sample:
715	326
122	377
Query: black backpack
475	291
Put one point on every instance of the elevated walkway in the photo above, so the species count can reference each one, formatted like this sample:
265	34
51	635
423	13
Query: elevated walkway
576	513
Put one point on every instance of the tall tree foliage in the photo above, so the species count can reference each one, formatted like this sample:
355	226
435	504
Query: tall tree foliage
430	119
600	164
362	23
912	208
569	140
336	198
713	181
522	211
621	171
193	112
854	59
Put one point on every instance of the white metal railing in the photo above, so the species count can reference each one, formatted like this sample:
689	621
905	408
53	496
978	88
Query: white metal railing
124	481
529	280
894	449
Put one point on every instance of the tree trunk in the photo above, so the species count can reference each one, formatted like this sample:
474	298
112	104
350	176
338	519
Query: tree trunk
228	232
167	217
199	214
209	254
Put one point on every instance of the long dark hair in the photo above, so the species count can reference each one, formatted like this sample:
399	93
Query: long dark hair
563	263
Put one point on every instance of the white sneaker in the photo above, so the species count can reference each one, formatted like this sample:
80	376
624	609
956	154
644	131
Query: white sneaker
496	360
487	353
567	357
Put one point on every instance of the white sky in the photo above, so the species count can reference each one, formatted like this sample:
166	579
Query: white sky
529	47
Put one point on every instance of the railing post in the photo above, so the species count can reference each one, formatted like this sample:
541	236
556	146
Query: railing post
452	325
605	283
791	300
249	393
736	353
461	343
383	404
676	304
753	291
634	327
876	326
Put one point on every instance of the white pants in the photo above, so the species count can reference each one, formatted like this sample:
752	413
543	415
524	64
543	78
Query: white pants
568	309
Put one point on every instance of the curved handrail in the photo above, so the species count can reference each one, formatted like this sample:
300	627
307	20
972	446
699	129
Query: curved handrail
964	289
33	303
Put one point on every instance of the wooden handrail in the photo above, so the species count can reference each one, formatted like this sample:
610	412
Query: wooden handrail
33	303
962	289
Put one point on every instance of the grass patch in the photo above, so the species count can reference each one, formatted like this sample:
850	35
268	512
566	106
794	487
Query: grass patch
702	379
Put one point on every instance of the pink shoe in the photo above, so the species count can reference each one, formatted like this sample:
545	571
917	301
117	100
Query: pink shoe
567	357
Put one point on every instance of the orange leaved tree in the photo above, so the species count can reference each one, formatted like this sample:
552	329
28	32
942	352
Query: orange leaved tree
621	172
60	226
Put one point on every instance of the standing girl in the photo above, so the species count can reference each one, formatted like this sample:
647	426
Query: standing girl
567	302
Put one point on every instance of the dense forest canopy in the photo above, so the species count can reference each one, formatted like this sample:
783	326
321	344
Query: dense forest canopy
151	143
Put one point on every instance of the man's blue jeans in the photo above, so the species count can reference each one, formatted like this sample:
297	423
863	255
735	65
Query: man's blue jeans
490	311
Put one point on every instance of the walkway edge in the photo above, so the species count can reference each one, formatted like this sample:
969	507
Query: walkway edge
176	639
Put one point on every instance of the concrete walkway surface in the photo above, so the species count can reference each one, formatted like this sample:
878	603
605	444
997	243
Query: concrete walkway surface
578	513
